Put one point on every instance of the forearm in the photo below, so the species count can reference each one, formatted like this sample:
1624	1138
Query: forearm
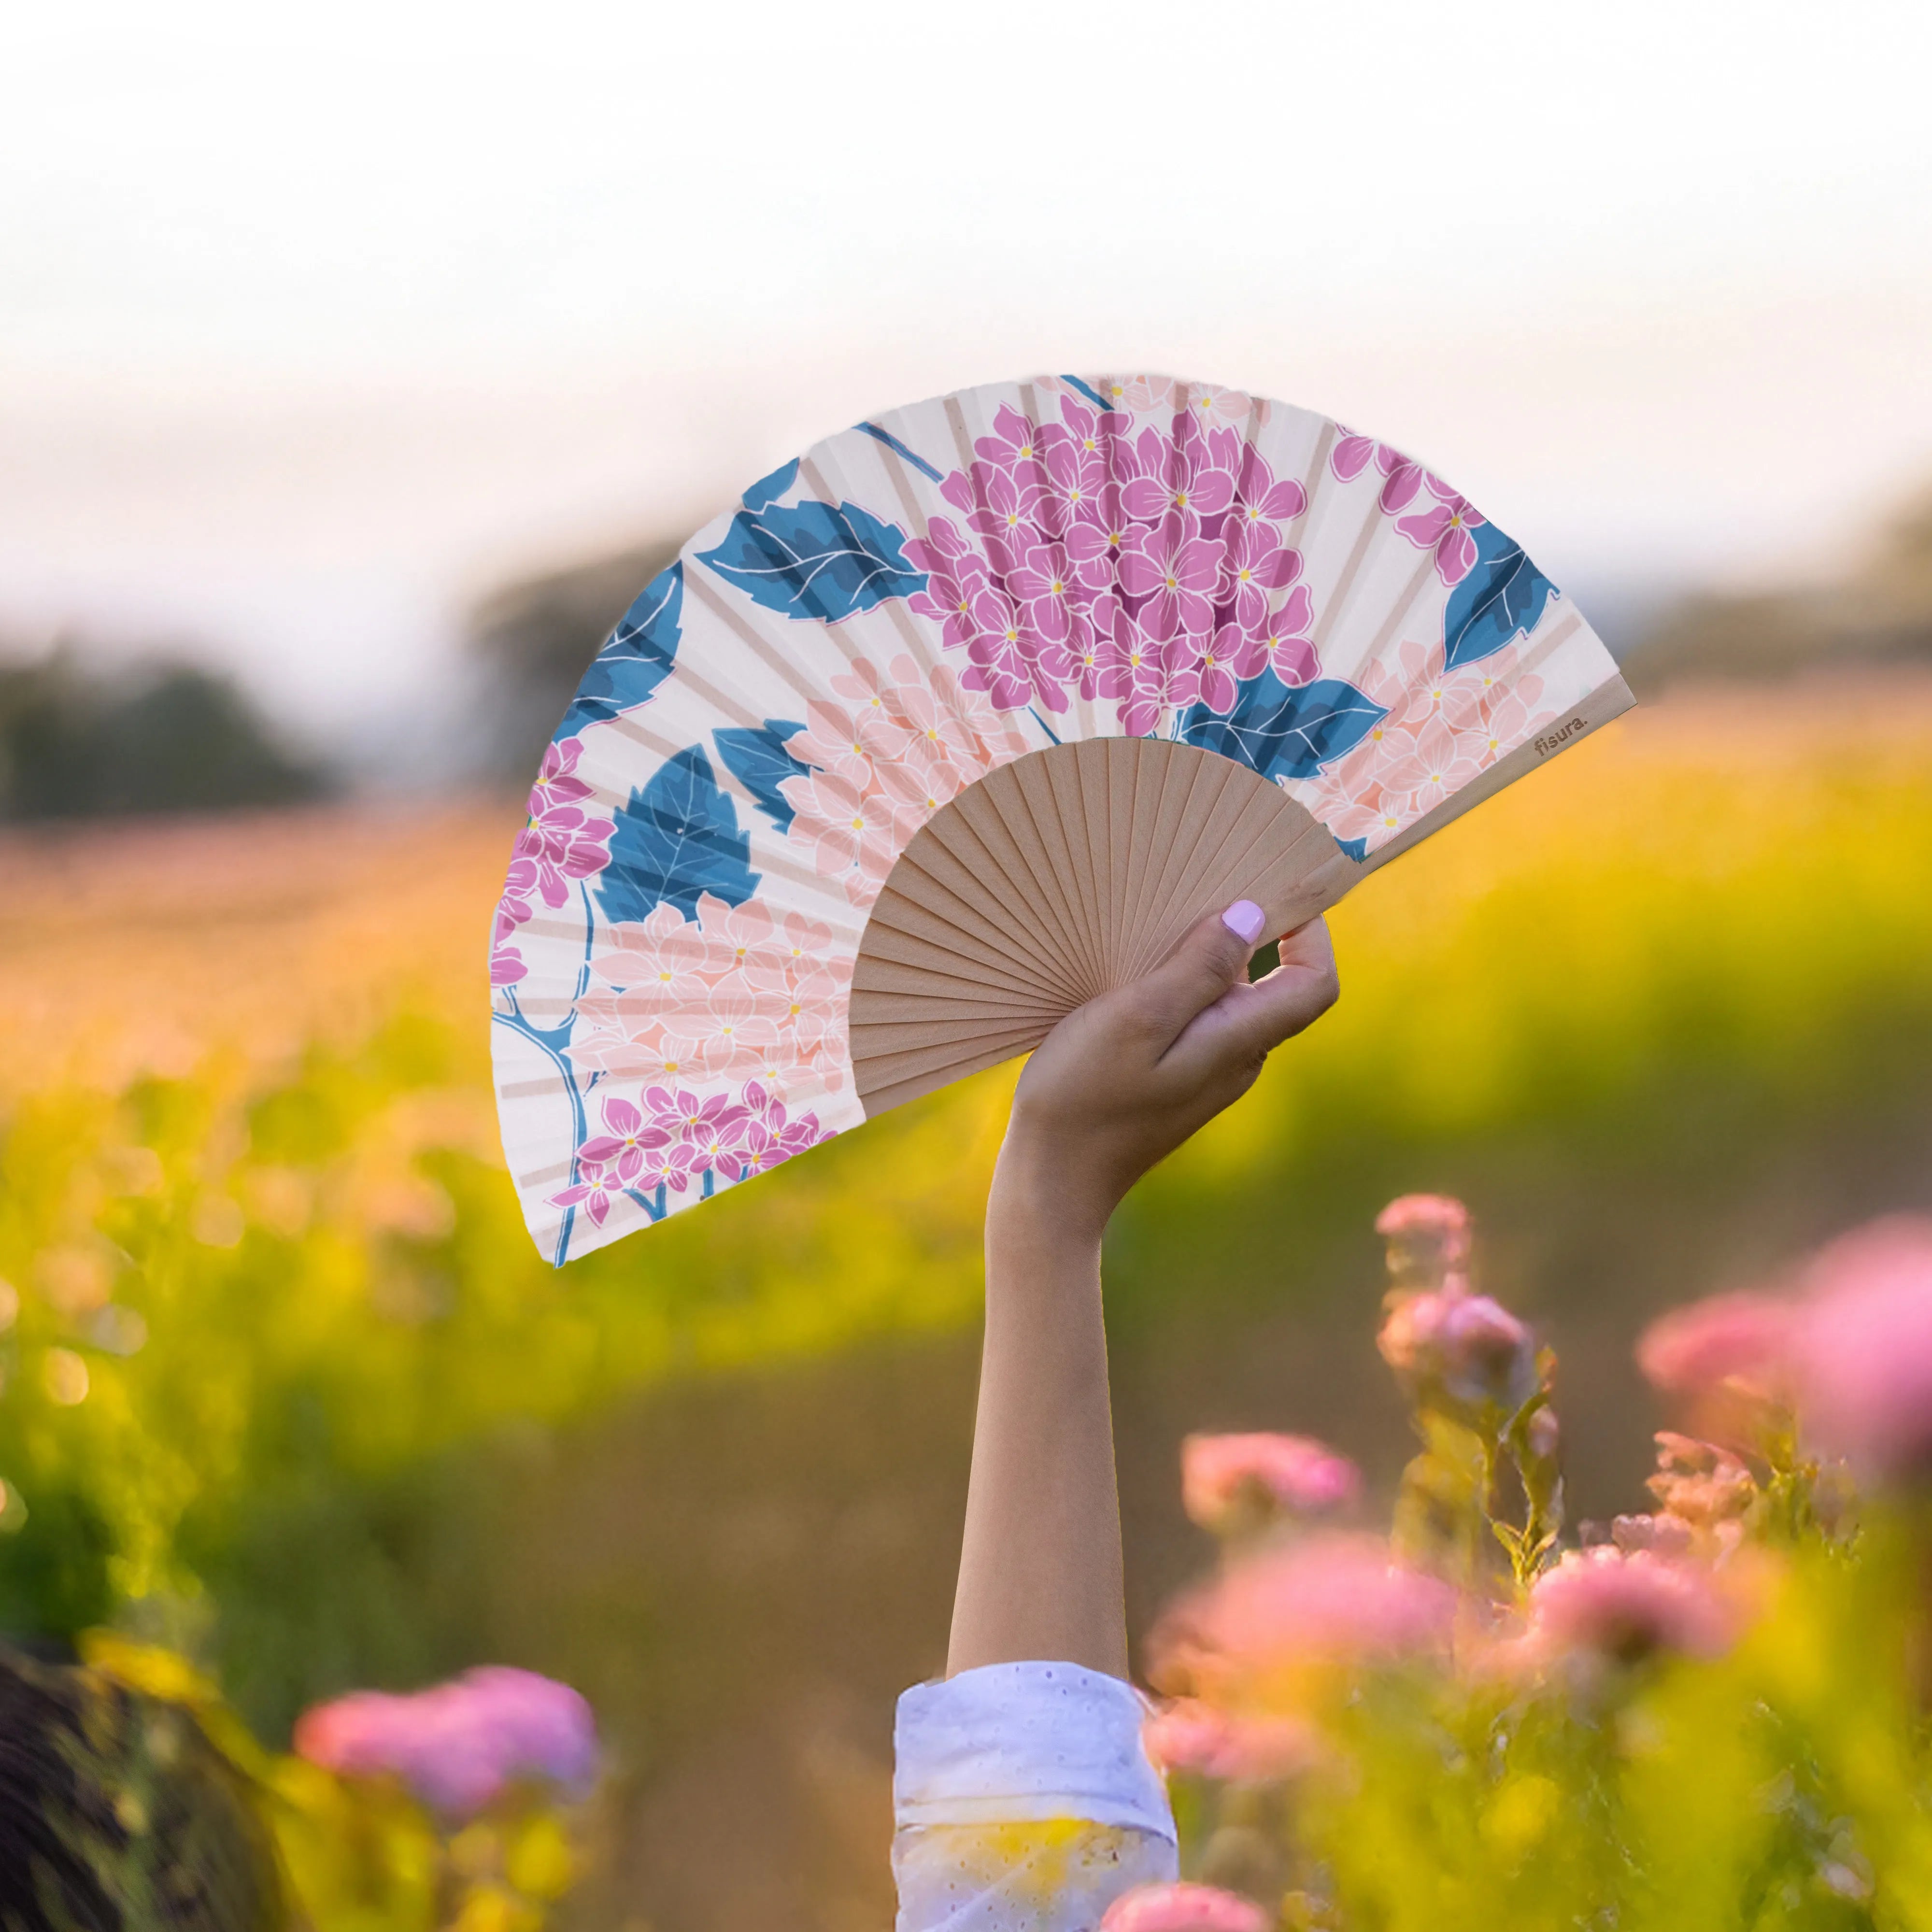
1039	1570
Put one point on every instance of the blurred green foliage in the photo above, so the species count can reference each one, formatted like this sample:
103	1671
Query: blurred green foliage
261	1315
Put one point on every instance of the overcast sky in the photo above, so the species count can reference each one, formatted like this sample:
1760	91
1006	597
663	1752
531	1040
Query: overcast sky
315	321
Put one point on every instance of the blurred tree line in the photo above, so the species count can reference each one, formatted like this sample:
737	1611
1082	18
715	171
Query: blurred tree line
83	738
1878	613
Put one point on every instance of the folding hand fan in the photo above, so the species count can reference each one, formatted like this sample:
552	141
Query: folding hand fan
963	717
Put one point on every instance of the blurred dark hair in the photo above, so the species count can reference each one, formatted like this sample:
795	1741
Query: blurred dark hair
117	1814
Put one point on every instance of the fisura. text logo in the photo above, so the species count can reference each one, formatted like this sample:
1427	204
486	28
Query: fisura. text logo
1544	746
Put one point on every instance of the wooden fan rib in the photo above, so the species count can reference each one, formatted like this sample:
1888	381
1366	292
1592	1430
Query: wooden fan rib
985	810
1031	807
959	928
902	929
937	851
976	820
1074	829
1206	783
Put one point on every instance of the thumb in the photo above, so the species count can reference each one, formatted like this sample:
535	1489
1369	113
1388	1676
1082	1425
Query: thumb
1205	962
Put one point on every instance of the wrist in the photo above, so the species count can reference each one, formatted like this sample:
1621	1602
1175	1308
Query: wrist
1045	1202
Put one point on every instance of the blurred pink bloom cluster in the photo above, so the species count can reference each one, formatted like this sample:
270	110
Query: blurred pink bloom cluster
1437	1335
1183	1908
1443	726
458	1745
1189	1734
683	1137
1849	1352
884	761
562	842
1139	572
1231	1483
1621	1606
1331	1599
738	993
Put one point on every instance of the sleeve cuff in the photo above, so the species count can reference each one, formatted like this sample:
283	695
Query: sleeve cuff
1024	1742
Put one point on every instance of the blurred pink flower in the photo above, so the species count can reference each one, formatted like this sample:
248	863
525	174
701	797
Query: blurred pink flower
458	1745
1665	1535
1428	1237
1702	1486
1626	1607
1467	1344
1728	1356
1863	1347
1189	1735
1329	1599
1183	1908
1228	1482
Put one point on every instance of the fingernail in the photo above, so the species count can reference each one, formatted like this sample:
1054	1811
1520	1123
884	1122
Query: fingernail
1245	919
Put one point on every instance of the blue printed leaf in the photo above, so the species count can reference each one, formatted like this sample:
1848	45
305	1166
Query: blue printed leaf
1286	731
636	658
1503	596
810	559
759	761
677	837
767	490
1357	849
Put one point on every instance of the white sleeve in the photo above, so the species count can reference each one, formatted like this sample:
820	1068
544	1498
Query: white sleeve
1022	1797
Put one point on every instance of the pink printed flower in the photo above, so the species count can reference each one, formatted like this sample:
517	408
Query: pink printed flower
1211	466
1353	454
1445	529
1233	1483
1370	815
596	1194
1095	538
557	782
1175	569
954	576
712	1128
1863	1348
1623	1609
1285	638
1260	497
845	826
1042	579
1189	1735
1013	446
513	910
459	1744
1254	562
799	945
845	743
1211	677
735	934
735	1026
1142	394
1440	762
622	1146
671	1164
1003	504
1078	456
1133	672
1212	407
1329	1599
768	1136
667	959
1183	1907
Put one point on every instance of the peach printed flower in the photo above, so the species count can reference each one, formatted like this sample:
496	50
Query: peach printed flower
1443	728
736	993
880	770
